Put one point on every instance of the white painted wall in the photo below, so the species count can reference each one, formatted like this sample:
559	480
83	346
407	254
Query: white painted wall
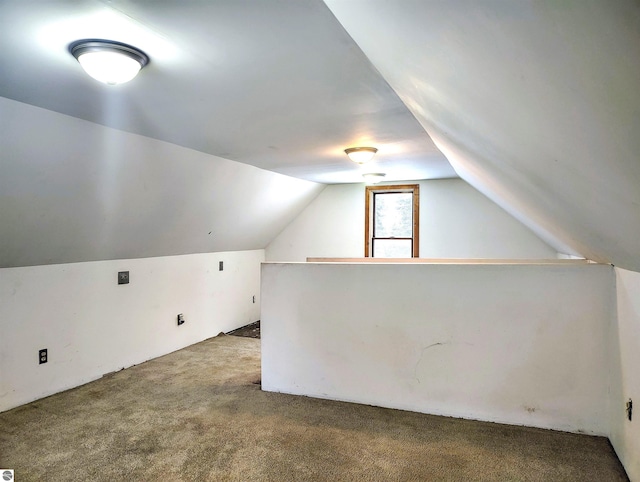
92	326
519	344
332	225
625	373
456	221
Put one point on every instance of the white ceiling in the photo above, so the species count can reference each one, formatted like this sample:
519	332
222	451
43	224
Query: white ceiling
276	84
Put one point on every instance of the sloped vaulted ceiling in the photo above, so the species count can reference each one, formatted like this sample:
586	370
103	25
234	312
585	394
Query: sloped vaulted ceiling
72	190
534	103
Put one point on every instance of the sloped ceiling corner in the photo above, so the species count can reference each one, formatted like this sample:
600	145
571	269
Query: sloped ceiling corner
534	103
75	191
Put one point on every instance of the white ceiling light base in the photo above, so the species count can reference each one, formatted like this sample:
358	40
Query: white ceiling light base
108	61
373	177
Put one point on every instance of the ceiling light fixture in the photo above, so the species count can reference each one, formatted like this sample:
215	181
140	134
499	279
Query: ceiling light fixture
361	154
108	61
373	177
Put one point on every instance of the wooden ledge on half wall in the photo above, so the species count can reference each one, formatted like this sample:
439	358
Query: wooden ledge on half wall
452	261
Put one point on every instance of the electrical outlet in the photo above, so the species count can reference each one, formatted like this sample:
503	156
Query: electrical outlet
123	277
629	409
254	298
42	355
220	266
180	319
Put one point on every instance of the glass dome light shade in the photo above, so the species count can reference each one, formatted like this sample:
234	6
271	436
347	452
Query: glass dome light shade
109	67
361	154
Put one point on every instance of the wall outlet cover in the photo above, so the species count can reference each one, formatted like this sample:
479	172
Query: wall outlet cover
43	356
180	319
123	277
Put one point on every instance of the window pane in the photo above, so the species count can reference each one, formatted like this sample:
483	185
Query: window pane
392	248
393	215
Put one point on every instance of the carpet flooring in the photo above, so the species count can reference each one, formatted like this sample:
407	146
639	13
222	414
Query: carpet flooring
199	414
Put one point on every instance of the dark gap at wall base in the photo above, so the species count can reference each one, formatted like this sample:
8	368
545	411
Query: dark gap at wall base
252	330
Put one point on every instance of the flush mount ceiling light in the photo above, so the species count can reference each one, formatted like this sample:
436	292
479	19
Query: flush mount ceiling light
373	177
108	61
361	154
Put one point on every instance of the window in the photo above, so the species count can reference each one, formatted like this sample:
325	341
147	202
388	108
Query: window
391	221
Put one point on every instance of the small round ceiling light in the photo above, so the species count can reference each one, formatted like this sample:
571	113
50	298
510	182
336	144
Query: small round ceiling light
108	61
373	177
361	154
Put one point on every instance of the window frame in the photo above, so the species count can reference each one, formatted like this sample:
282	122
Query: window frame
370	191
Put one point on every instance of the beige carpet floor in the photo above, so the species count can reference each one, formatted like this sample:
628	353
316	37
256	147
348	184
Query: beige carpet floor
199	414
